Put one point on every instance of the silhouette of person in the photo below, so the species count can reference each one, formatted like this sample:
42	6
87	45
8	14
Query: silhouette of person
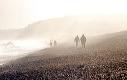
83	40
76	40
50	43
55	43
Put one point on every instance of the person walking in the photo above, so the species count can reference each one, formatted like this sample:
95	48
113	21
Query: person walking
55	43
76	40
83	40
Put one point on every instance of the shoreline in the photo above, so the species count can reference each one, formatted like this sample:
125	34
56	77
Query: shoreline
17	55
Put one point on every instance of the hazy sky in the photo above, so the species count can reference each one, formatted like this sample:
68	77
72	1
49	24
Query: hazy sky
20	13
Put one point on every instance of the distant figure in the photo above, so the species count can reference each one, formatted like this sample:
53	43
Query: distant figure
83	40
76	40
50	43
55	43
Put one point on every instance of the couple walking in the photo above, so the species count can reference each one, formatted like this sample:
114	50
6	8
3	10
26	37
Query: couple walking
51	43
83	40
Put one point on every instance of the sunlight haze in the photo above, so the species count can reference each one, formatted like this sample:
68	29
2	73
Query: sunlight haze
20	13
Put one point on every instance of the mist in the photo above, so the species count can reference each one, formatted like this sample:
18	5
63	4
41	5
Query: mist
21	42
69	39
68	27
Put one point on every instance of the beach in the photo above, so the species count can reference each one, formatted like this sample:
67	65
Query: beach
65	63
104	60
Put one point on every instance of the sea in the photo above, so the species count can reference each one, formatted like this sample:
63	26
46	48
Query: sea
12	50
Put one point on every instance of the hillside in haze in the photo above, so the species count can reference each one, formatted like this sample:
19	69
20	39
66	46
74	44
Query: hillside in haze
67	27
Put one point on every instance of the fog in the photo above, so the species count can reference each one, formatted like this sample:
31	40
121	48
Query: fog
29	25
63	39
17	43
15	49
20	13
68	26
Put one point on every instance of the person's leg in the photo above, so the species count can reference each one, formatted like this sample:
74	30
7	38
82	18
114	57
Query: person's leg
83	44
76	44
